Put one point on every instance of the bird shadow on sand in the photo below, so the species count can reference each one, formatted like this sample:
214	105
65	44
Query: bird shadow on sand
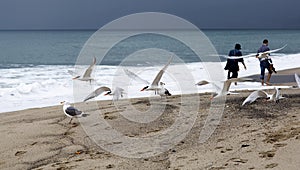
85	115
147	102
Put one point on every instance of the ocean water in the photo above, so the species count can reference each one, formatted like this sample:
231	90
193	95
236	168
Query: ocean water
34	64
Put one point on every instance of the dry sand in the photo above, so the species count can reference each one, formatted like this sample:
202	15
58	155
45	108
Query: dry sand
263	135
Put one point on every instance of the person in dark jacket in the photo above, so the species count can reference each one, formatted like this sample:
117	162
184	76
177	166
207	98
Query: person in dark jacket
232	65
265	63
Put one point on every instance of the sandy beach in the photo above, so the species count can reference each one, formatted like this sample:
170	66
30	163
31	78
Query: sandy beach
263	135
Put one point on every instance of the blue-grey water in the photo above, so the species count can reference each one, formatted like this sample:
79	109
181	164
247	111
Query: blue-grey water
31	48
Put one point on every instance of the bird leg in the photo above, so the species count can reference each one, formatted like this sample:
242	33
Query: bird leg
70	120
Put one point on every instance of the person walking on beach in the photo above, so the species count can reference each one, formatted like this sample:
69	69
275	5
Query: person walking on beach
232	65
265	63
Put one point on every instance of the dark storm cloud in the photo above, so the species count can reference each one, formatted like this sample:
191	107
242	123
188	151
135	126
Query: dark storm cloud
92	14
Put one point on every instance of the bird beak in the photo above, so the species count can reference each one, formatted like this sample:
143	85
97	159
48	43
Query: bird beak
144	88
107	93
75	77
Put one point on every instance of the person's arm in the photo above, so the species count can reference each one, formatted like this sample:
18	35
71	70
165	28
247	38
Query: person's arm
242	61
268	49
244	65
270	60
258	51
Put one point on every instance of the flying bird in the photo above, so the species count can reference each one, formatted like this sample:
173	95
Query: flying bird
72	73
97	92
276	96
71	111
255	95
87	74
135	77
226	85
258	55
154	86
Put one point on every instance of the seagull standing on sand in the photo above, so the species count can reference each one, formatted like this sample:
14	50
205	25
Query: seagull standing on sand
163	91
97	92
71	111
226	85
117	93
87	74
154	86
276	96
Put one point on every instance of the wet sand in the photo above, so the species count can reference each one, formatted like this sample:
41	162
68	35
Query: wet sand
263	135
283	76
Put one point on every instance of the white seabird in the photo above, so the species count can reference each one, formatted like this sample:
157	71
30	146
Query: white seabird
297	80
117	93
87	74
154	86
135	77
97	92
71	111
259	55
226	85
276	96
163	91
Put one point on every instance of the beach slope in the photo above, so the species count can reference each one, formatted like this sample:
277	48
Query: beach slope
263	135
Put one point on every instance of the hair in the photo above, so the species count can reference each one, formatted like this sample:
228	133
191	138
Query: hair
237	46
265	41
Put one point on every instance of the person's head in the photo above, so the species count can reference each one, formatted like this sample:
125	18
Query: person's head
265	41
238	46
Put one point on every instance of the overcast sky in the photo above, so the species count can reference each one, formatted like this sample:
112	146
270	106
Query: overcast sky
93	14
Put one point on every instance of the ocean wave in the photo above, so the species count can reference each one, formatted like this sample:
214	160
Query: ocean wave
47	85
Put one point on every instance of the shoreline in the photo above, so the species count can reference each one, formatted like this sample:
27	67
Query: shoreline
283	77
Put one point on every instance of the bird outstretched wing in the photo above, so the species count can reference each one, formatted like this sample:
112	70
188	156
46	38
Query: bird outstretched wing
135	77
160	73
255	95
89	70
297	80
97	92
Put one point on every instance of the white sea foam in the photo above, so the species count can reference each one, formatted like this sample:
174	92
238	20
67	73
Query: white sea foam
22	88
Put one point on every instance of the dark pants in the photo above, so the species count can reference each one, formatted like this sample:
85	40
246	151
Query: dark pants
263	66
234	74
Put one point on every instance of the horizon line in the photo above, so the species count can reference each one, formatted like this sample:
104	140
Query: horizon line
93	29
